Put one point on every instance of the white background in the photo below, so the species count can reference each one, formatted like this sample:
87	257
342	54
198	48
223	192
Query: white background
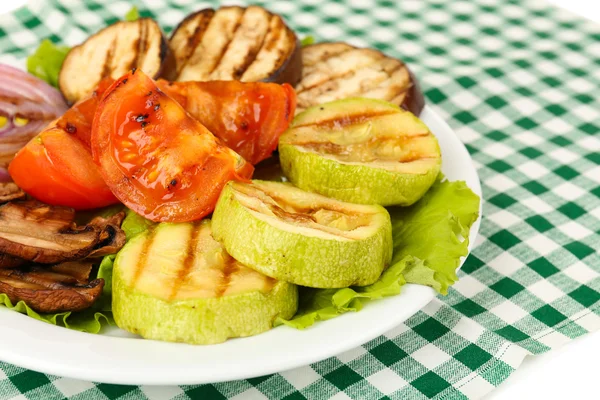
570	372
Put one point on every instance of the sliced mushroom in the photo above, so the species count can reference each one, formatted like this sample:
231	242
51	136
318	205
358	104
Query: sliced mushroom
64	287
8	261
47	234
79	270
10	191
112	237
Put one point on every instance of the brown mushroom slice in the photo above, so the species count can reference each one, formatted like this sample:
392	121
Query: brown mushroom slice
79	270
46	234
48	291
10	191
112	237
335	71
8	261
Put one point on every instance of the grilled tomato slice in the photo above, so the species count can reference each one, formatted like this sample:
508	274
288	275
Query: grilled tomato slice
155	158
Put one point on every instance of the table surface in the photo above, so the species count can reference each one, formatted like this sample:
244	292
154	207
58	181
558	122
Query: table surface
542	376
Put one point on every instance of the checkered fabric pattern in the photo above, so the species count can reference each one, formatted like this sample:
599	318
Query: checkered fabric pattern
518	81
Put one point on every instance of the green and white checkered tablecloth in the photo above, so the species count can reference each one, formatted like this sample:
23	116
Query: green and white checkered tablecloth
519	82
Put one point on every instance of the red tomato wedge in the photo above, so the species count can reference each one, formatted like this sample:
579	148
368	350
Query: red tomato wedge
248	117
78	119
156	159
56	166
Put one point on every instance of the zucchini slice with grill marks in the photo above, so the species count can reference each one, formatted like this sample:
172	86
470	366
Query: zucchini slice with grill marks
176	283
362	151
302	237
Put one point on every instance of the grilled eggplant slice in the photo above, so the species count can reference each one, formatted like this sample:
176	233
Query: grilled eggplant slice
46	234
234	43
64	287
176	283
361	150
334	71
301	237
112	52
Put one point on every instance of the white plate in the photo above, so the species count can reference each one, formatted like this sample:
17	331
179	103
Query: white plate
117	357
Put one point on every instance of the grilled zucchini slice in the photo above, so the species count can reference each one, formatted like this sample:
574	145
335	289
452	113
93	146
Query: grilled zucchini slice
334	71
176	283
362	151
112	52
301	237
234	43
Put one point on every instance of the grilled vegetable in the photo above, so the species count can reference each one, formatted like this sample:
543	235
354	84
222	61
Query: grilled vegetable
161	163
334	71
362	151
234	43
10	191
56	168
248	117
63	287
301	237
46	234
112	52
176	283
27	105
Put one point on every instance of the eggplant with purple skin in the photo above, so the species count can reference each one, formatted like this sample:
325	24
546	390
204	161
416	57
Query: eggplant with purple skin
235	43
336	71
113	51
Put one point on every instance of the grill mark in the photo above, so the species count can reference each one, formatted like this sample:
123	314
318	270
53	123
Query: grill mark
337	122
344	152
340	77
405	139
224	50
196	38
140	44
136	48
275	33
229	269
326	55
143	256
188	262
106	69
251	56
297	214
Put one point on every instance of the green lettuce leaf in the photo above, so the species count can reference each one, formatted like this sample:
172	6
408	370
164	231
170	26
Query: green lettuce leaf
46	62
430	237
436	231
85	321
307	40
134	224
322	304
133	14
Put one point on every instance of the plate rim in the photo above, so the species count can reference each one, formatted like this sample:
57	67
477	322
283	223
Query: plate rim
108	371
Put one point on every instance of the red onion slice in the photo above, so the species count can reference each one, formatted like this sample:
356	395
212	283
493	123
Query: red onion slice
30	99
